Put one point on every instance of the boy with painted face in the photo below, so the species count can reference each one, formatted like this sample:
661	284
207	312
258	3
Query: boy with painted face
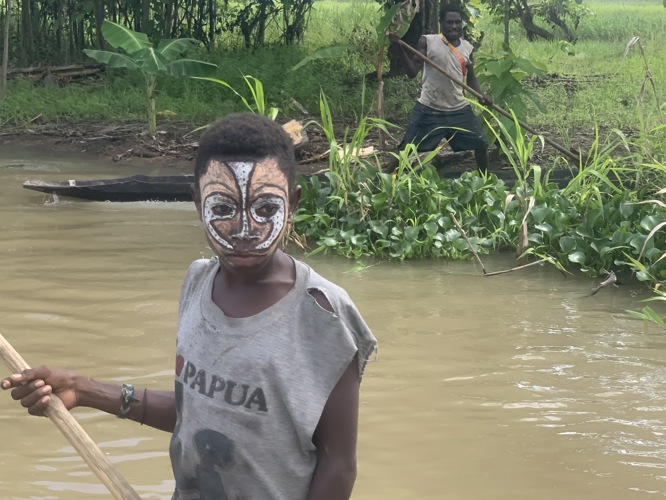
269	354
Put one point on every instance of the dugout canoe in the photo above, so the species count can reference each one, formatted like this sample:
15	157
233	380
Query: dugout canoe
134	188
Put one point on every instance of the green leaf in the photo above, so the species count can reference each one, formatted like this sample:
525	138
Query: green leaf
150	61
190	68
324	53
171	49
577	257
111	59
411	233
626	209
650	221
385	22
124	38
651	315
225	84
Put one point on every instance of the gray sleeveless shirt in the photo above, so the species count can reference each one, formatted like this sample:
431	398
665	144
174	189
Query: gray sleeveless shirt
438	91
250	391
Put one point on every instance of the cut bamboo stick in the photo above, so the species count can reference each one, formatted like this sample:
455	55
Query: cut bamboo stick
67	424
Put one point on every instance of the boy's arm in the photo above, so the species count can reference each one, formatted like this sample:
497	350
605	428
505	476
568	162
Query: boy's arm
33	388
335	439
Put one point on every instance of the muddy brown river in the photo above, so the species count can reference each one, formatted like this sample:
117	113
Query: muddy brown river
516	387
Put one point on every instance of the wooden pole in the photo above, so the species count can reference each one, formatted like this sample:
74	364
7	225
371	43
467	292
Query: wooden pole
469	89
74	433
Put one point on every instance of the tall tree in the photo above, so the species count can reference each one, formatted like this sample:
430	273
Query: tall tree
563	14
5	50
27	34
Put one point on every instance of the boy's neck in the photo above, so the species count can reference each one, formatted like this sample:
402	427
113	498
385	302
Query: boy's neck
241	296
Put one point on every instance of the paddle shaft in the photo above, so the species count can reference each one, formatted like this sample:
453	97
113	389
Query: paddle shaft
476	94
74	433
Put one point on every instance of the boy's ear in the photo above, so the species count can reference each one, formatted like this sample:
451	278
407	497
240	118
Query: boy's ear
294	198
196	197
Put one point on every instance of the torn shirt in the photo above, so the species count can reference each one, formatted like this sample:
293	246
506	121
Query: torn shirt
250	391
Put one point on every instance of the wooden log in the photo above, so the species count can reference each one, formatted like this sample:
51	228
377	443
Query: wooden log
297	133
63	72
67	424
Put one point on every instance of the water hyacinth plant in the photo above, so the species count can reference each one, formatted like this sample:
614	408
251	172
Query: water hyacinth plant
599	222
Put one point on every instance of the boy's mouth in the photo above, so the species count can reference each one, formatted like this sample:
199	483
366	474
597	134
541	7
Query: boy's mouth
244	259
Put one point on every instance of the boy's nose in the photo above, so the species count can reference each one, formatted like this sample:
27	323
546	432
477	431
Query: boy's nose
244	230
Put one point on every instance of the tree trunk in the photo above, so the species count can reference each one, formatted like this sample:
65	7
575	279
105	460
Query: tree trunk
425	22
151	83
99	20
212	21
60	23
27	34
554	18
261	26
145	16
5	51
113	11
527	20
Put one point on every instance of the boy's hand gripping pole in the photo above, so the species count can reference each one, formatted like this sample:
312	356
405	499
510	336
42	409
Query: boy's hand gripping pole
575	157
74	433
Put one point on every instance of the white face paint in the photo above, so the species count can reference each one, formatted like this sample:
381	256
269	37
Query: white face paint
244	205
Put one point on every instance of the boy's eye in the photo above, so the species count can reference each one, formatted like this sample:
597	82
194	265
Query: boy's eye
267	210
223	210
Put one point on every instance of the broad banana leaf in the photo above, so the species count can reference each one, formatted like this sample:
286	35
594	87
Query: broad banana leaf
190	68
111	59
396	18
124	38
171	49
150	61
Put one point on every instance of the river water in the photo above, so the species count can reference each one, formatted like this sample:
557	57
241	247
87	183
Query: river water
517	386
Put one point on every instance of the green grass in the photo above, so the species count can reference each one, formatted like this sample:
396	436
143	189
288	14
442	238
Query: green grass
609	83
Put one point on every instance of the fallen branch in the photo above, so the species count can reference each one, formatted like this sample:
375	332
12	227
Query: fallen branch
517	268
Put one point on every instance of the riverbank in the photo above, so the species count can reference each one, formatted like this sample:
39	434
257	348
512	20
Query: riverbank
176	143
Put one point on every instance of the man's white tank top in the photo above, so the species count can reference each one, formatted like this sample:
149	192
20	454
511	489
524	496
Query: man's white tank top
438	91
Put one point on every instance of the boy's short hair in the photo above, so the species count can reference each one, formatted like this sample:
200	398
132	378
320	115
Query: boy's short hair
249	136
449	7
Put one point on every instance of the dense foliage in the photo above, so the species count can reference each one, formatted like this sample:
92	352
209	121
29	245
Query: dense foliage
57	31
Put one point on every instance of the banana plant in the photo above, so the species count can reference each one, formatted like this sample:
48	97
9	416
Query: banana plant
152	61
